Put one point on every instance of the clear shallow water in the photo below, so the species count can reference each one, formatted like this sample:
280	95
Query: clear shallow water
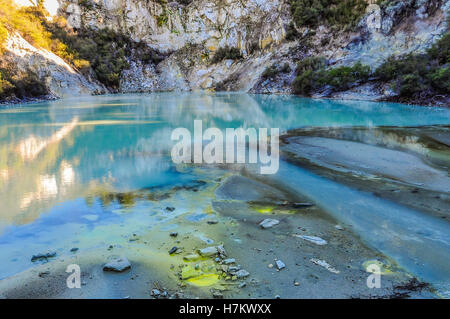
54	156
416	241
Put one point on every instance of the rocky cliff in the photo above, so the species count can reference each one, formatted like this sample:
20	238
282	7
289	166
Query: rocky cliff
58	77
190	35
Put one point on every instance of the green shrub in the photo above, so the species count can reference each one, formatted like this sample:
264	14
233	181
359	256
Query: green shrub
440	79
311	64
342	77
440	51
411	84
395	67
270	72
273	70
253	47
335	13
87	4
291	32
6	87
21	85
162	19
415	73
285	68
184	2
412	75
312	75
304	83
104	50
226	53
29	85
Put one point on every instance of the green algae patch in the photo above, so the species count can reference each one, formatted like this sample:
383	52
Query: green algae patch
271	209
189	272
202	274
208	210
202	268
194	257
264	209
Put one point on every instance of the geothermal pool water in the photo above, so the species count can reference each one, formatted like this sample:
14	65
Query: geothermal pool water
73	173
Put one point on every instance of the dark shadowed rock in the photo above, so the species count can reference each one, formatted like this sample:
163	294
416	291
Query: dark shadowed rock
43	256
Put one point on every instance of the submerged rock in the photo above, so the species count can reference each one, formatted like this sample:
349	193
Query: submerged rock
368	161
302	205
268	223
173	250
243	188
43	256
118	265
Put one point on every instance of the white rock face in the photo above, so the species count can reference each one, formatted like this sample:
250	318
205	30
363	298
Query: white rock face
139	78
74	15
60	78
169	27
414	34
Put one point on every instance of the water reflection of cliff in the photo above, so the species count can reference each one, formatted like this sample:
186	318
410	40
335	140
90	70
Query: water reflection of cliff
33	174
54	152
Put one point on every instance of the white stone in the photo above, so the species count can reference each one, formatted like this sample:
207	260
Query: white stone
280	264
325	265
313	239
208	251
268	223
